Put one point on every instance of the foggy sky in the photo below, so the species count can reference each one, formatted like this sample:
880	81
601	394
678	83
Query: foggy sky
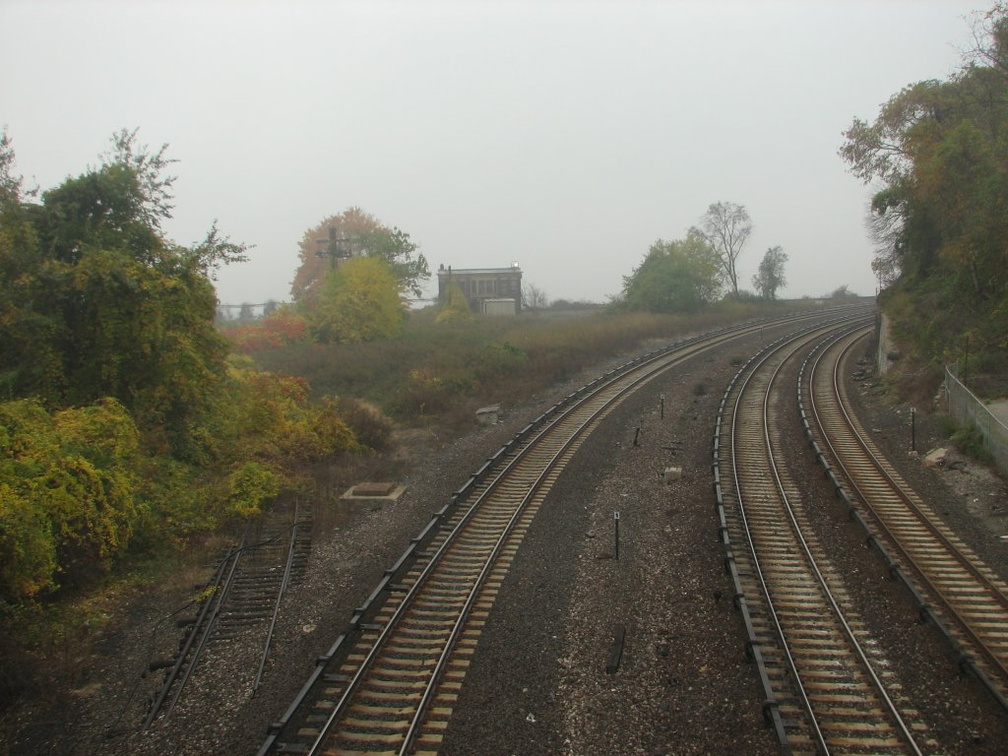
566	137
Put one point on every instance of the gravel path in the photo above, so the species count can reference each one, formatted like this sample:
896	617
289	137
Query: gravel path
538	684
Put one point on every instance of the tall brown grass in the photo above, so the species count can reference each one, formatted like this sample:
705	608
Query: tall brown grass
440	373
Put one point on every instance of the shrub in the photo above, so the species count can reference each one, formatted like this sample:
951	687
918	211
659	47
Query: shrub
281	327
369	424
970	441
27	547
249	486
69	497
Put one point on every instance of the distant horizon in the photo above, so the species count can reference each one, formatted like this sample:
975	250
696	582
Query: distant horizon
566	136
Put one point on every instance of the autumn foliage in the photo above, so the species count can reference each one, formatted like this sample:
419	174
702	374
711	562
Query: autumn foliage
279	328
938	157
69	492
123	419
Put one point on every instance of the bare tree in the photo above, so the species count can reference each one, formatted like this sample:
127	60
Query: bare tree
990	38
533	297
727	226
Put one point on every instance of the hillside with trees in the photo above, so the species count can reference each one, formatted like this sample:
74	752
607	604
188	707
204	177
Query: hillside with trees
937	157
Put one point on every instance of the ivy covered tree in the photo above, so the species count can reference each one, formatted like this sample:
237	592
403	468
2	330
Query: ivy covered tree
95	302
120	408
938	153
68	493
358	301
675	276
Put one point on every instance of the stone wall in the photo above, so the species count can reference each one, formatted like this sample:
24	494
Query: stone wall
888	351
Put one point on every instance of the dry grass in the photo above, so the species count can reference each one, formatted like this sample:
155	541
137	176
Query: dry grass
439	374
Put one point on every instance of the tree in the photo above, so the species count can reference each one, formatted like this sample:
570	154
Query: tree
95	302
395	248
68	503
726	227
771	273
149	168
354	233
937	150
675	276
358	301
533	297
455	307
10	183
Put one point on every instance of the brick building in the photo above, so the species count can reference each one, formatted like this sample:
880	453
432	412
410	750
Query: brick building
486	289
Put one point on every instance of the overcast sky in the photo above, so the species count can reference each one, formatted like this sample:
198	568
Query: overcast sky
564	136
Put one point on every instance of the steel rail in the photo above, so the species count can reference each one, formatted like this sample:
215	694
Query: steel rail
177	677
442	662
914	506
284	582
807	704
172	675
475	483
643	372
822	742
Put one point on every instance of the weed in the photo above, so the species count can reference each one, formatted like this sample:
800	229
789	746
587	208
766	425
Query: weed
970	441
947	425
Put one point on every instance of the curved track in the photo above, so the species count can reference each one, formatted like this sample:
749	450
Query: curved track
826	690
965	598
396	687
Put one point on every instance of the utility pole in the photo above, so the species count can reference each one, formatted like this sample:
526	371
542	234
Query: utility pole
335	247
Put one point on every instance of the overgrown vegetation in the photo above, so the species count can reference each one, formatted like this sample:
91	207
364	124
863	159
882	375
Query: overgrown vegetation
939	151
353	278
970	441
123	421
441	372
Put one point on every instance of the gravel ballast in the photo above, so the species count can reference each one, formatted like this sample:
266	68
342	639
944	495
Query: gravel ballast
539	682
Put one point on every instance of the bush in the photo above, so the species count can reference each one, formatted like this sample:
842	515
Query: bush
249	486
279	328
970	441
68	504
369	424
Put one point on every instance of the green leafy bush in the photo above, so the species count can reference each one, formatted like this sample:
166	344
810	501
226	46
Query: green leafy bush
69	493
249	486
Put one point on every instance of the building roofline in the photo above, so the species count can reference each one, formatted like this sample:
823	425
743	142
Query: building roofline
471	271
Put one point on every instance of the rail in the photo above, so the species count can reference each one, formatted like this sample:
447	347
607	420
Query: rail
951	587
421	551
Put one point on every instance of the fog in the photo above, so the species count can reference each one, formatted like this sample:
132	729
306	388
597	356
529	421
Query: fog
566	137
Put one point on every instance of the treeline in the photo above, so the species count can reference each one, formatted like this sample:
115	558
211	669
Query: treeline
123	417
689	274
939	150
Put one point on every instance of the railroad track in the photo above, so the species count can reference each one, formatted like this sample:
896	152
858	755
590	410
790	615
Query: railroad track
826	689
391	680
953	587
242	598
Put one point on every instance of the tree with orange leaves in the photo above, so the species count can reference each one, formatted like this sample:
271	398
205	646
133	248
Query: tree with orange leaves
354	233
